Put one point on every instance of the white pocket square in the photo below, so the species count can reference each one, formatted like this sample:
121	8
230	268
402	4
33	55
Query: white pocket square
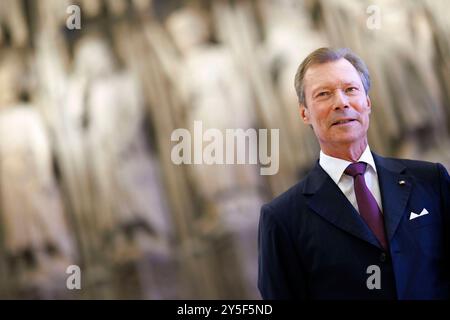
415	215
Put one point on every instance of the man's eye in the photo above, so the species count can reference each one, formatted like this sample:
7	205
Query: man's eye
351	89
322	94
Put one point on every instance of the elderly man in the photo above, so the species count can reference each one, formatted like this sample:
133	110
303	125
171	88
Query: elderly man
358	226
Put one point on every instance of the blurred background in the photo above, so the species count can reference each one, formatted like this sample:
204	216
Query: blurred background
91	91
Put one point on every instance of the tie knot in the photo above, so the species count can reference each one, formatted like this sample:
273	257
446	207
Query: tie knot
356	168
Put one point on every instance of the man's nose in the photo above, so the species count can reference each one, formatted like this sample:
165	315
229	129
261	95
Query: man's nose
340	100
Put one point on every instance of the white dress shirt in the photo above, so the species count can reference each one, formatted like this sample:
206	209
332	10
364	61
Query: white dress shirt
335	168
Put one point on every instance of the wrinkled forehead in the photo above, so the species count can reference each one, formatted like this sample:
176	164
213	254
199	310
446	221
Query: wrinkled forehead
331	73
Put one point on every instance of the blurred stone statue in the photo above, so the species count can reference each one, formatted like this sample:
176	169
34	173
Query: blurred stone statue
36	239
289	37
215	93
129	205
13	22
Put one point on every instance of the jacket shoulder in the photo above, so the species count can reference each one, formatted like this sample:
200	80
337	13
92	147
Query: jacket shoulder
287	202
420	169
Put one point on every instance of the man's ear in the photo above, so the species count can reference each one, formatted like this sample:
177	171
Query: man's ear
369	104
304	113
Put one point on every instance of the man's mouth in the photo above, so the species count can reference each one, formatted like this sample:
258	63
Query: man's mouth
343	121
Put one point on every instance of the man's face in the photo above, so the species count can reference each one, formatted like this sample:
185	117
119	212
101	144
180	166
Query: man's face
337	105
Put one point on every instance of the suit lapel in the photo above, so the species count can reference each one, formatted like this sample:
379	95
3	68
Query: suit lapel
326	199
394	196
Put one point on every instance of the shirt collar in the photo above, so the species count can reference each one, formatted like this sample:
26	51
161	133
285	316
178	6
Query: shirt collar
335	167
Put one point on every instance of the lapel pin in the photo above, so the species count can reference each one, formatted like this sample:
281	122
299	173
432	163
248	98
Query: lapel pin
402	182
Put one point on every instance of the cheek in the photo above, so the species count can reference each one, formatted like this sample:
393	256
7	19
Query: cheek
366	112
365	120
363	109
320	115
362	105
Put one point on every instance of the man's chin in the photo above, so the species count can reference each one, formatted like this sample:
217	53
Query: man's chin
347	139
347	135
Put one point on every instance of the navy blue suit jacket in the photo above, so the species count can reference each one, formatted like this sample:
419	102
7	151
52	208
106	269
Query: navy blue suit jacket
314	245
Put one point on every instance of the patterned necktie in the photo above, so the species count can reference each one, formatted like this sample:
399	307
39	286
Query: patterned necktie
368	206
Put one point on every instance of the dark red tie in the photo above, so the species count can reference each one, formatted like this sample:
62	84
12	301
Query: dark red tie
368	206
